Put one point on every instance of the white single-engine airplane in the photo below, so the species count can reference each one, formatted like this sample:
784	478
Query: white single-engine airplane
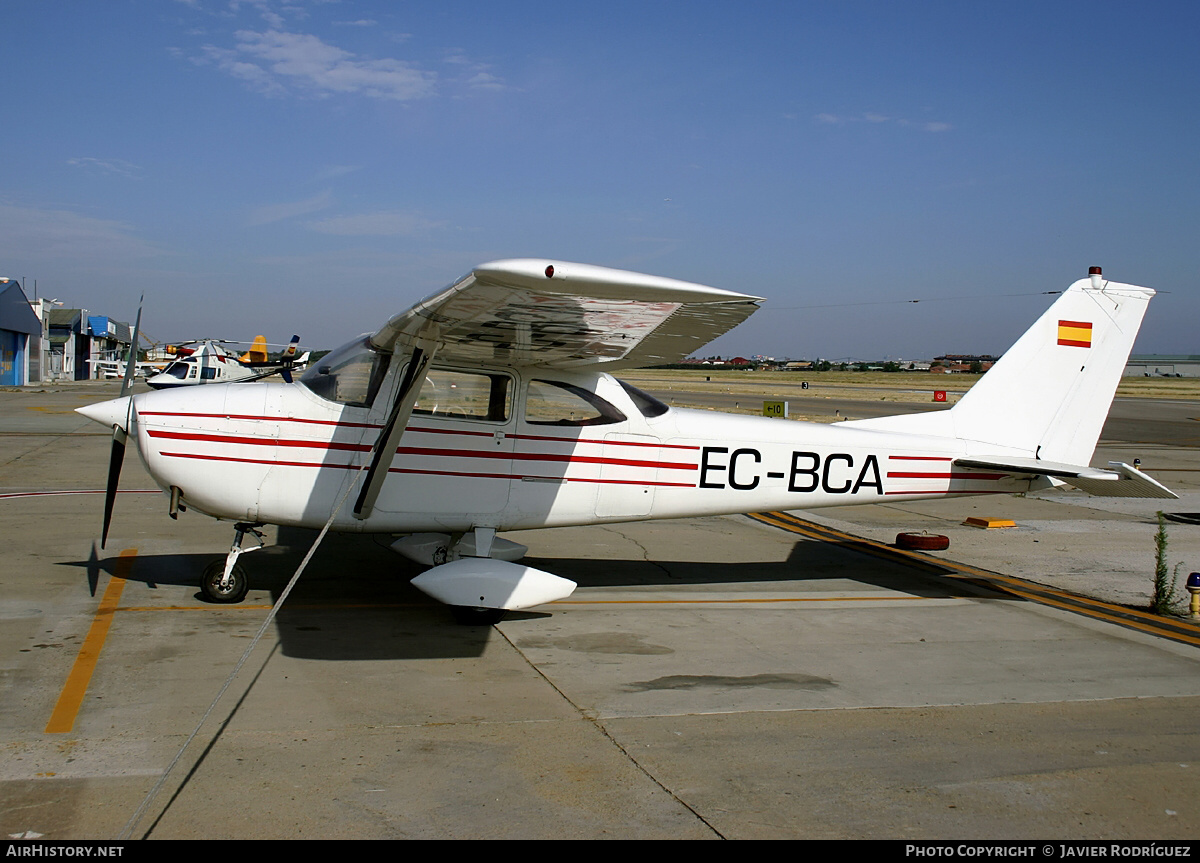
209	363
490	407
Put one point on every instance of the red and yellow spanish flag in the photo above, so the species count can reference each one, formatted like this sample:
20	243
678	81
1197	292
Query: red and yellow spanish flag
1076	334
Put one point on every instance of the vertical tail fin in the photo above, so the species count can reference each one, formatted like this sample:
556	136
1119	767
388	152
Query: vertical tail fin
1050	393
257	352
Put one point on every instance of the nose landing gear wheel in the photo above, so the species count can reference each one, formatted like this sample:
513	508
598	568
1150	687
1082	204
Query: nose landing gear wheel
234	591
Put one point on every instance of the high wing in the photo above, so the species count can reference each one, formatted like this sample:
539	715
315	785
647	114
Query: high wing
554	314
545	314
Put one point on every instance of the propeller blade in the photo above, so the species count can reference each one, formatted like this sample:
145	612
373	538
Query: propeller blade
121	431
131	362
115	457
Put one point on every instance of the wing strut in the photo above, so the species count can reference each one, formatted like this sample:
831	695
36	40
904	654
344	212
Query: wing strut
393	430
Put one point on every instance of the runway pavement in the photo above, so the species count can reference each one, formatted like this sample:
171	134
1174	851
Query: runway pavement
710	678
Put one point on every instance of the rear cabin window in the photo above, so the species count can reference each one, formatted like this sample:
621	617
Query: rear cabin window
554	403
644	402
465	395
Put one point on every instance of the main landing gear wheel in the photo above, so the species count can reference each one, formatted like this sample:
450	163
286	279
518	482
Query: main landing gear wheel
468	616
210	583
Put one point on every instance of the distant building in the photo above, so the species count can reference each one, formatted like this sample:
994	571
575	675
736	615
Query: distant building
68	345
1163	366
110	339
960	363
74	338
968	358
20	335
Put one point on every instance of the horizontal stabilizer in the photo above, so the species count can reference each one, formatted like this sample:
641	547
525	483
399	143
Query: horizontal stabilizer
1122	481
1130	483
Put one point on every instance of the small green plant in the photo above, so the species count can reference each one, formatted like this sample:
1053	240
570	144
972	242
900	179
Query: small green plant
1165	580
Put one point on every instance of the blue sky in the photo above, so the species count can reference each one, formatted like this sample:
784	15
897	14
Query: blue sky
315	167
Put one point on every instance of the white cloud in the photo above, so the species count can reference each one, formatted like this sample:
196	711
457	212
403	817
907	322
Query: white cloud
64	237
106	166
485	81
475	75
269	213
335	171
269	60
870	117
387	223
258	78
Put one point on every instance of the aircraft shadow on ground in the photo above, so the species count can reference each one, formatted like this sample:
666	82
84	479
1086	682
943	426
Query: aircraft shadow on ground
354	601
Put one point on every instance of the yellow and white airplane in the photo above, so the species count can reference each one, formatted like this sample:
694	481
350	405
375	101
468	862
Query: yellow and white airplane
211	363
491	406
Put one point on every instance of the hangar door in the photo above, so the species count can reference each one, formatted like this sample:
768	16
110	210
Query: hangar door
10	357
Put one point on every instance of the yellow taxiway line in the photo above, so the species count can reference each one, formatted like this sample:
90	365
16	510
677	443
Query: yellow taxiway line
62	720
1143	621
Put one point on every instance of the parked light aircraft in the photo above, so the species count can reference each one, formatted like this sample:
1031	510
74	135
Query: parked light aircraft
490	406
210	363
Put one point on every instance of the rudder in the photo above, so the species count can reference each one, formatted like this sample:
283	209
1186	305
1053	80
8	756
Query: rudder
1050	393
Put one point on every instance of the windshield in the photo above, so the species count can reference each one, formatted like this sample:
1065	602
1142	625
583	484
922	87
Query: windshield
177	370
351	375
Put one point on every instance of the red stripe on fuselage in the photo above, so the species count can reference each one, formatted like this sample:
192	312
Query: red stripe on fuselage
419	429
467	474
533	456
260	419
420	451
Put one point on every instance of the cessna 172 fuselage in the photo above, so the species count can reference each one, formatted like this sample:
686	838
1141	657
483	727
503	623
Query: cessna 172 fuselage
490	407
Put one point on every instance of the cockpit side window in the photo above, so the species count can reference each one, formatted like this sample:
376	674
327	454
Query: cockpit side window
350	375
644	402
465	395
554	403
